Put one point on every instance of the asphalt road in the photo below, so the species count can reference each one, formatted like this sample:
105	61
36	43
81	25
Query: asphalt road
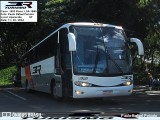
17	100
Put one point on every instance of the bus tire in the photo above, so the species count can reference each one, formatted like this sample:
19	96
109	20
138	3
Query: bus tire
53	91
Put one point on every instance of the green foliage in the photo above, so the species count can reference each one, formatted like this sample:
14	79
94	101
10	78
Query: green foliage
140	79
6	75
143	3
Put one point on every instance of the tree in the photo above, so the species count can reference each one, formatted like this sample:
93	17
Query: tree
140	18
151	14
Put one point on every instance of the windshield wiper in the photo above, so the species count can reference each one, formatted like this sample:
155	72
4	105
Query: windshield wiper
117	66
106	51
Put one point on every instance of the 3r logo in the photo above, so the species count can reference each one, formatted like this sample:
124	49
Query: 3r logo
37	69
20	4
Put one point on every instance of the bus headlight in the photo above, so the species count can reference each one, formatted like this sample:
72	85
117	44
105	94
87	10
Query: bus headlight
82	84
127	83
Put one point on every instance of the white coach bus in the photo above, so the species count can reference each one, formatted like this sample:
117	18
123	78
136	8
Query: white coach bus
81	60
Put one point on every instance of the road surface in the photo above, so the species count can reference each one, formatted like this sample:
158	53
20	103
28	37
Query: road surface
17	100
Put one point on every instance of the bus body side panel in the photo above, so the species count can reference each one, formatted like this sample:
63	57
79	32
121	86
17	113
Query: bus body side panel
102	86
41	74
44	74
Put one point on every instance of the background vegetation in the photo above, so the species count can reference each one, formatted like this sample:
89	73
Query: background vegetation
139	18
6	76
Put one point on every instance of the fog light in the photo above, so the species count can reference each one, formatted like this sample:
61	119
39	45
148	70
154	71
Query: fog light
78	92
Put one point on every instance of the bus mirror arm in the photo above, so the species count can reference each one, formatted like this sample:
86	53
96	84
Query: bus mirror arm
72	42
139	44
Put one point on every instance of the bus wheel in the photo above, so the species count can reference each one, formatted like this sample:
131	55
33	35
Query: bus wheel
53	90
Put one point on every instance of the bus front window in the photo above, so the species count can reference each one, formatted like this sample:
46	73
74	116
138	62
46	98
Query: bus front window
100	51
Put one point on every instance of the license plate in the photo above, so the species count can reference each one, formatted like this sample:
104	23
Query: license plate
108	92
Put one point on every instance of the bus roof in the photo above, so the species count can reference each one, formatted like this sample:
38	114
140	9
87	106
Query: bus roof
67	25
93	24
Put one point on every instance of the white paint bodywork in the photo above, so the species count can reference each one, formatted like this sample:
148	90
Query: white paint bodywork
42	81
105	83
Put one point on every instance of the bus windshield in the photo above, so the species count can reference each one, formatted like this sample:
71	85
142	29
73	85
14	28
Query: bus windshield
100	51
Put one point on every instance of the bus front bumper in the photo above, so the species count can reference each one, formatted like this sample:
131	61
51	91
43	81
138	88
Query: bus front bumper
93	92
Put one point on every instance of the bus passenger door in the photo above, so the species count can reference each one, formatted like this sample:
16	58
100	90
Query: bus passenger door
65	63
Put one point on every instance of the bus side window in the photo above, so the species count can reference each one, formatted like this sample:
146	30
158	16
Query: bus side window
46	49
57	62
52	45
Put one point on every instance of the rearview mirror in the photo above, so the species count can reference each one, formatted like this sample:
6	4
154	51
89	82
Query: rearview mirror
72	42
139	44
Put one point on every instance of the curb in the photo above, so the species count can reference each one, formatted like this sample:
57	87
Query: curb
152	92
145	90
